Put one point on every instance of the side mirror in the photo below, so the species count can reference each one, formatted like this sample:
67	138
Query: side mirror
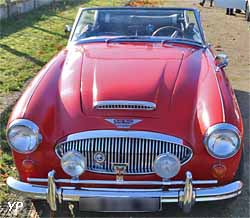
67	28
209	45
221	61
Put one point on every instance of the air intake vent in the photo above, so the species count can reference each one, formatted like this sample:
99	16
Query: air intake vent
125	105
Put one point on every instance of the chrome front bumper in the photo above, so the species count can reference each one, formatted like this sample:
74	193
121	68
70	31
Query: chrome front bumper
185	197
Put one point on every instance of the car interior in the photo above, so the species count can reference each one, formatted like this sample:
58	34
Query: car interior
162	23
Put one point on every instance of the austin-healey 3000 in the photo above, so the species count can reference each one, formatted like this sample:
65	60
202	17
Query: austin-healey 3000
135	112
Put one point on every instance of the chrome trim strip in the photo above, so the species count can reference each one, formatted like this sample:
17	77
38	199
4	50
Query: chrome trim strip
221	99
124	105
121	189
223	126
124	182
127	134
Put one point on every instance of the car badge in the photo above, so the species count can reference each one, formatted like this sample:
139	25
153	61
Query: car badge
123	123
99	157
120	169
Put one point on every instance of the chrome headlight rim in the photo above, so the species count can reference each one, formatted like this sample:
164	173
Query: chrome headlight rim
222	127
27	124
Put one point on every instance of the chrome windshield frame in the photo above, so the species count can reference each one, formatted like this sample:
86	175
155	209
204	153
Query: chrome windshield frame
104	39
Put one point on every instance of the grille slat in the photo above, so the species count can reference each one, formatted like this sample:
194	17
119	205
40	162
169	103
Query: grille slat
138	153
131	152
126	150
109	154
146	156
149	156
106	149
89	150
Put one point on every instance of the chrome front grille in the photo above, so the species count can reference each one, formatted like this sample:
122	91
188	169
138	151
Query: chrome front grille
124	105
138	149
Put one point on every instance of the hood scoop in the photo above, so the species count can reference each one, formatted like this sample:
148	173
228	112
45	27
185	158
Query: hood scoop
124	105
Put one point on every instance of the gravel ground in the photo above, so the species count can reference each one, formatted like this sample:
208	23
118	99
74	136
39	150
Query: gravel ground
230	35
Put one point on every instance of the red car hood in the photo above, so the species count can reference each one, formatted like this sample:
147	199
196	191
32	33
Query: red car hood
178	79
127	72
172	77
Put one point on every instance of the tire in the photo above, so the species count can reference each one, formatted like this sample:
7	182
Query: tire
247	12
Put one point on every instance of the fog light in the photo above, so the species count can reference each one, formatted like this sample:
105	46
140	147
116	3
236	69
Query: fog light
167	165
73	163
219	171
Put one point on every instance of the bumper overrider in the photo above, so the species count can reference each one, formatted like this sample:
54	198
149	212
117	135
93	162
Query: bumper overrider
185	197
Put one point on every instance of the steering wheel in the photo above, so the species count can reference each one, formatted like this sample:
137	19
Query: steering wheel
176	31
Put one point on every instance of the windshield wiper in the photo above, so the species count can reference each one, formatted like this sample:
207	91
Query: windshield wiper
184	41
125	38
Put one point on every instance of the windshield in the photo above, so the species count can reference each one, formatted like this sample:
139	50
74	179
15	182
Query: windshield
128	22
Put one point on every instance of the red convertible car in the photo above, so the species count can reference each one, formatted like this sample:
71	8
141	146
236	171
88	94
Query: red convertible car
135	112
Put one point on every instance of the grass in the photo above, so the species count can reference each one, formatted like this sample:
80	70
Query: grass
26	44
7	167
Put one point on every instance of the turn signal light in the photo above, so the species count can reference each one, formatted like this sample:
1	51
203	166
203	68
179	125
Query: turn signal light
219	171
28	165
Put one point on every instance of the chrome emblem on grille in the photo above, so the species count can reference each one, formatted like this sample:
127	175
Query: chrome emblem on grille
123	123
99	157
120	170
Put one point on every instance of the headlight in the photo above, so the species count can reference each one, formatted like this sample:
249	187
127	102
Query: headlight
73	163
222	140
167	165
23	136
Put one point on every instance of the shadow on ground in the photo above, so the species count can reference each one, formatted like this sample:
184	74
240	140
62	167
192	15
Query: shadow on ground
23	55
18	23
